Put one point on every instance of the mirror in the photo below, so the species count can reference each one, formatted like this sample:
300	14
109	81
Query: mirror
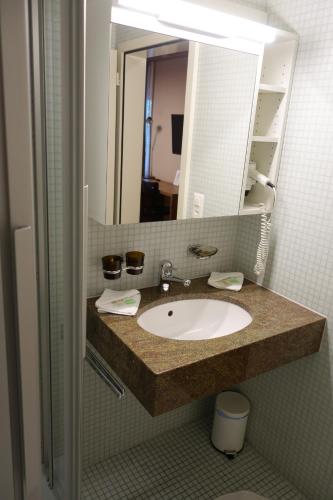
181	124
177	144
185	115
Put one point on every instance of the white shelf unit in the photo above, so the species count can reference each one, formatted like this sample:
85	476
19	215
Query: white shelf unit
269	119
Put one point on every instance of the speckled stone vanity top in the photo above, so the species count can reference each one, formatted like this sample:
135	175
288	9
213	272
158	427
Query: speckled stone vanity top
165	374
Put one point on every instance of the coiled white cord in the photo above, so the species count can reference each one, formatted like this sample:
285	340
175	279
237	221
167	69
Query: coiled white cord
263	247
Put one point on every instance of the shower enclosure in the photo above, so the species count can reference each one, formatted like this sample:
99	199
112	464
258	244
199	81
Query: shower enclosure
61	44
42	225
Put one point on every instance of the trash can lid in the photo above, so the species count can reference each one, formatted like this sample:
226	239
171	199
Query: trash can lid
233	404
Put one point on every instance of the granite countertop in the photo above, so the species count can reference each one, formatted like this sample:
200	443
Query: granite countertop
165	373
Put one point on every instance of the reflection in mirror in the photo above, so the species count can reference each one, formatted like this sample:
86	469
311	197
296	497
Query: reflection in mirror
213	167
153	114
164	108
185	117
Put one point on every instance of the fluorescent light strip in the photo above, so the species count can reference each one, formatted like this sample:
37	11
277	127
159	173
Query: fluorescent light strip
202	19
181	13
128	17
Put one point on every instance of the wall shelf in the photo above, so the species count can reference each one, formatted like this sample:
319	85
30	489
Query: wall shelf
265	88
268	121
264	138
252	209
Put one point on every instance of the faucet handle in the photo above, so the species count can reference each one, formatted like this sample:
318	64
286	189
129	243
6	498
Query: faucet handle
166	267
166	263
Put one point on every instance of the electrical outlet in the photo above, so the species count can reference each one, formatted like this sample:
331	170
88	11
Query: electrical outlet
198	205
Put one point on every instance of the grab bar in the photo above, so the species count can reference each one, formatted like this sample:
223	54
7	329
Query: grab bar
104	373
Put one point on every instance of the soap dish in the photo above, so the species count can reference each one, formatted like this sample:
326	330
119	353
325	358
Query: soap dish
202	251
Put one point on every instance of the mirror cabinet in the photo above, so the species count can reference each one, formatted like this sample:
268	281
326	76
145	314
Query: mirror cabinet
173	124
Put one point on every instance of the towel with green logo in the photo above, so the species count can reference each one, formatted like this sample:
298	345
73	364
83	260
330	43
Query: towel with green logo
119	302
226	281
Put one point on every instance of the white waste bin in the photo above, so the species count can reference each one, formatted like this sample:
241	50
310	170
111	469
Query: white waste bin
230	419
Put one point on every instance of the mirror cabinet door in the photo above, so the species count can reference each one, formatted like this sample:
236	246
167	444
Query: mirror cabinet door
217	131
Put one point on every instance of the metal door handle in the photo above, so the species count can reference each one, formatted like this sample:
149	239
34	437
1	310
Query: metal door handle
27	316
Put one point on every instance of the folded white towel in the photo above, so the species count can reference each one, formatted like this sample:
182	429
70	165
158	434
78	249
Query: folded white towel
123	302
226	281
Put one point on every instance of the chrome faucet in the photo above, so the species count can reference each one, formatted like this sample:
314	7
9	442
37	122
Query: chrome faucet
167	276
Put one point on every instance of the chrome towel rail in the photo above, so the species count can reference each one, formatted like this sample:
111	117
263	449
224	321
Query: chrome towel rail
104	373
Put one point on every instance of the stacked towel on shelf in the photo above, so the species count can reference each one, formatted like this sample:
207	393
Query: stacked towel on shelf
124	302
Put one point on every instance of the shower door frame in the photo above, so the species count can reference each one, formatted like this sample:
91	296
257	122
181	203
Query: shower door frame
72	137
72	63
19	257
23	110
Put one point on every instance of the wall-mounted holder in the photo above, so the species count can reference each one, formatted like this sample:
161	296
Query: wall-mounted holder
134	262
113	264
202	251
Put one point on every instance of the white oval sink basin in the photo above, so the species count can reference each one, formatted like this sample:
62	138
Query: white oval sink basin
195	319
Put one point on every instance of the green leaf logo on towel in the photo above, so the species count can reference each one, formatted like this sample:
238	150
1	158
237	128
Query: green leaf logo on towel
232	280
129	301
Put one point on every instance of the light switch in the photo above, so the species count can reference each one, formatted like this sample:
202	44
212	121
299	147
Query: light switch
198	205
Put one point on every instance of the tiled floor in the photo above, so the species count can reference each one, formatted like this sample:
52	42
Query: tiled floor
181	464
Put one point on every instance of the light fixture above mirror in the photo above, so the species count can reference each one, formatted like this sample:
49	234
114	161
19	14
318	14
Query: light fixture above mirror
205	20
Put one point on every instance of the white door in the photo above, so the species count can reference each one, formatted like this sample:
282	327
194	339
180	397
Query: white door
132	143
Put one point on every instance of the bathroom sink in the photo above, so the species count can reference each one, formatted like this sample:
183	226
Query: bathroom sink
196	319
165	374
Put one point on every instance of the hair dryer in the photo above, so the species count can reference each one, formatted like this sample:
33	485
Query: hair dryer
265	222
257	176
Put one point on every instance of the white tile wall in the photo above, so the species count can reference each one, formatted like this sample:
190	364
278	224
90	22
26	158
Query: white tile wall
159	241
110	426
292	408
260	4
291	421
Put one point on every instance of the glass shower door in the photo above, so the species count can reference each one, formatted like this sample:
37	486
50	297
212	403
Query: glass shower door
54	227
62	46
